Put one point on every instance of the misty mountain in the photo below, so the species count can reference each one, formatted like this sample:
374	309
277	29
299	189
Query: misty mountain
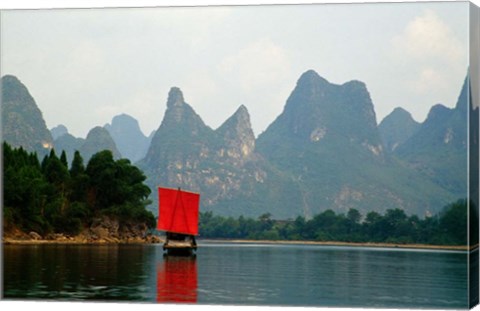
98	139
324	151
58	131
396	128
128	137
22	121
220	164
328	141
318	112
439	148
69	144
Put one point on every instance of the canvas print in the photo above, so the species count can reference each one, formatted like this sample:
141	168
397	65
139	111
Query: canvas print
314	155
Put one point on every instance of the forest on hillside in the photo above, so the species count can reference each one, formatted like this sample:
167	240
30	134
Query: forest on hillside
52	197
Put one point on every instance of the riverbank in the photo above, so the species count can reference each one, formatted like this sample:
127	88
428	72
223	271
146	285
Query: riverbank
88	237
103	230
79	240
349	244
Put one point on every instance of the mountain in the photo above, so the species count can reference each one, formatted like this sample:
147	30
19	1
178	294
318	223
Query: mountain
220	164
69	144
22	121
328	141
98	139
181	134
238	137
323	151
439	148
396	128
317	113
128	137
58	131
23	125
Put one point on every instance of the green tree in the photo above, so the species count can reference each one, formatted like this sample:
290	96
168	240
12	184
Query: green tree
454	222
266	221
63	159
78	179
372	227
48	197
116	188
24	200
102	185
354	216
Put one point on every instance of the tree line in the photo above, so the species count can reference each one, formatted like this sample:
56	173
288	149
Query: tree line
51	197
449	227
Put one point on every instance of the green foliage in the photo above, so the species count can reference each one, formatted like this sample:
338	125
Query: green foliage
116	188
63	159
454	222
78	179
48	197
447	228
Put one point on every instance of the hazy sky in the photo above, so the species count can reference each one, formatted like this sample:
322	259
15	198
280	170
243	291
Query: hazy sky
85	66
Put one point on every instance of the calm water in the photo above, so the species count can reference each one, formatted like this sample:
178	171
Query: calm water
239	274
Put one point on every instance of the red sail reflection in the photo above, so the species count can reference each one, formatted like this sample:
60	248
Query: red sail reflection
177	280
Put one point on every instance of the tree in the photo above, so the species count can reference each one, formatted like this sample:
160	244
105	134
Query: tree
454	222
117	188
77	165
102	189
373	227
78	179
24	198
63	159
354	216
49	197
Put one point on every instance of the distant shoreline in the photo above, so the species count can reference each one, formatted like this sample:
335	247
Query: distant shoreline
350	244
10	241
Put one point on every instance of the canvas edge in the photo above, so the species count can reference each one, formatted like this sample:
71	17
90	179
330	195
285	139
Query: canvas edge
473	154
473	192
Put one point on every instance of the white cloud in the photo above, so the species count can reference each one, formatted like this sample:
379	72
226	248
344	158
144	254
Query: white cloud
431	62
428	37
75	61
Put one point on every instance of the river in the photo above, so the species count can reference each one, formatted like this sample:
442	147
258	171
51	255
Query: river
239	274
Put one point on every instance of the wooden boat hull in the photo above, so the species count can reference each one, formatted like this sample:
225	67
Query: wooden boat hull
180	251
185	247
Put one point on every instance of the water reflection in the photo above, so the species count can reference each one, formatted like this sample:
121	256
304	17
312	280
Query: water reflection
177	280
77	272
239	274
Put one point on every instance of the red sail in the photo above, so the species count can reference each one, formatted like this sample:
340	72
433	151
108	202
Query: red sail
178	211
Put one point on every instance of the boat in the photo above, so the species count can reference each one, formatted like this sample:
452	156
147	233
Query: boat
178	217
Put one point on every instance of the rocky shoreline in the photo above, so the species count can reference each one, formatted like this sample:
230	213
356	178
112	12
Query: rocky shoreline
80	240
102	230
